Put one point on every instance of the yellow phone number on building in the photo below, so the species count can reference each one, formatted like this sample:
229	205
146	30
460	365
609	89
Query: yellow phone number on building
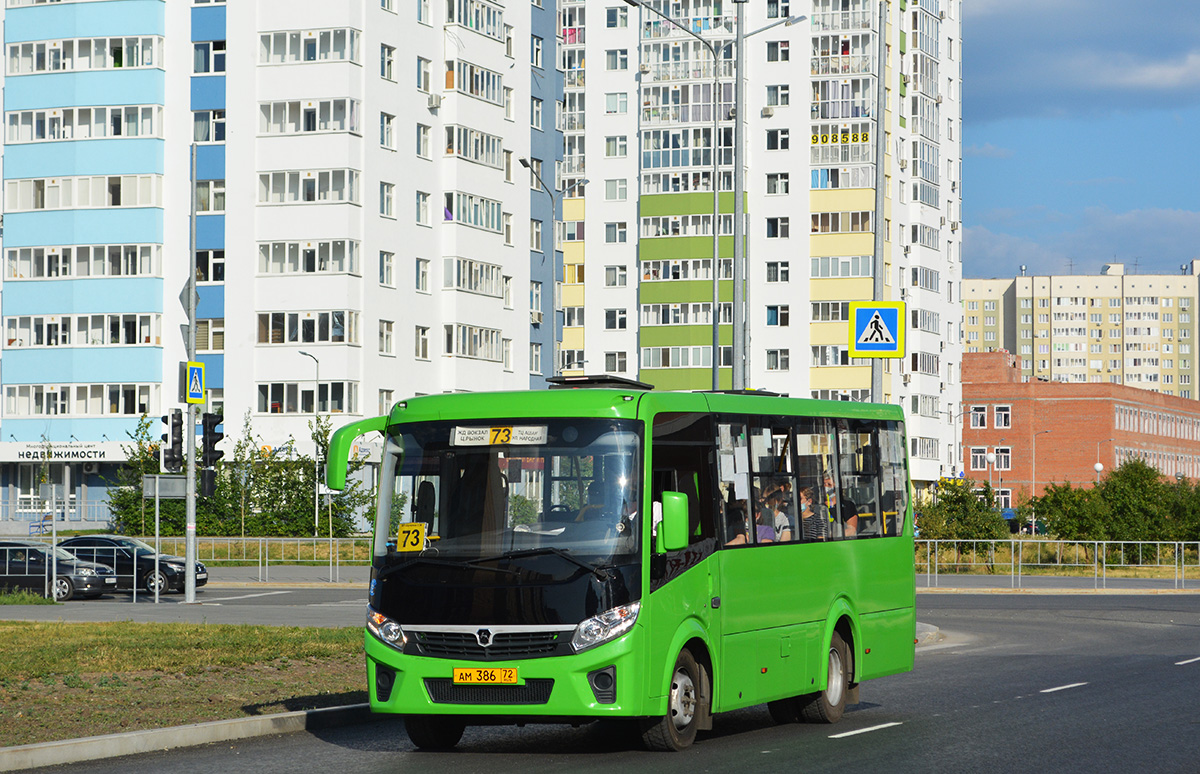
494	676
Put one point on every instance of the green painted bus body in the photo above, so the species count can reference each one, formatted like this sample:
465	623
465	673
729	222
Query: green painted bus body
760	618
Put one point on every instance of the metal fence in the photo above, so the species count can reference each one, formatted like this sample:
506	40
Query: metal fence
1058	564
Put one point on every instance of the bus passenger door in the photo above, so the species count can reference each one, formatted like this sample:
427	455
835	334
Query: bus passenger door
682	583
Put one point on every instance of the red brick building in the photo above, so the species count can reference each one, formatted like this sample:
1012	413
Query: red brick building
1058	431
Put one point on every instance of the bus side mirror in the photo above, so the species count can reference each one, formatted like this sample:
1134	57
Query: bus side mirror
673	531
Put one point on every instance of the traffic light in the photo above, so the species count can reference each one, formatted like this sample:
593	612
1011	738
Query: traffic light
172	446
210	437
208	483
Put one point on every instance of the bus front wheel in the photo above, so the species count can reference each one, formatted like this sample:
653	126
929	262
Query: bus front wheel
828	705
677	729
434	732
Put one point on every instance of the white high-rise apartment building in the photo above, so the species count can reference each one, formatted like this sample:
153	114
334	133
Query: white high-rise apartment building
366	227
638	124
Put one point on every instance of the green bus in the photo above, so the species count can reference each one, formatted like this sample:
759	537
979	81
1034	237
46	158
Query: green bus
603	550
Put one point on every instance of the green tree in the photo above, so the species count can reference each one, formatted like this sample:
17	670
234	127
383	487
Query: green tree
522	510
960	513
1136	496
1074	513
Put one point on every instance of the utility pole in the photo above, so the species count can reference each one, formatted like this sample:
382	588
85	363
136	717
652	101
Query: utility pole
189	425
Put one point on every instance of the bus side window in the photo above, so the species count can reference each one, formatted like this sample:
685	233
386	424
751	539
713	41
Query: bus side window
814	464
682	463
895	477
858	477
733	483
774	484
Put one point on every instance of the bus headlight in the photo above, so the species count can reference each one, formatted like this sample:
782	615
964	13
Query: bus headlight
386	629
604	627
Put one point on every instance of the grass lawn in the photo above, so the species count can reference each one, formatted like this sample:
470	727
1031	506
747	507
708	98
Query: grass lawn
63	681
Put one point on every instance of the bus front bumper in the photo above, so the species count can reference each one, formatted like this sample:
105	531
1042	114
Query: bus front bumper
569	686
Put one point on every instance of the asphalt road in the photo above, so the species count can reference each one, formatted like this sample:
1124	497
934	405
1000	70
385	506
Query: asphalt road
1023	683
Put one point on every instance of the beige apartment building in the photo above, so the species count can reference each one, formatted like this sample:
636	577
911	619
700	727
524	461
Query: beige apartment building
1116	328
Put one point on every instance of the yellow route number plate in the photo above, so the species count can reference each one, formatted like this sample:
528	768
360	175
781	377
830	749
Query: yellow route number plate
411	536
485	676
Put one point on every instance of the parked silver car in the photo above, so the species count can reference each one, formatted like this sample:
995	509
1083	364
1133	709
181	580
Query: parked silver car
25	566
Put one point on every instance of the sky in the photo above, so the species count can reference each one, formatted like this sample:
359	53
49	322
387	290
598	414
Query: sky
1081	136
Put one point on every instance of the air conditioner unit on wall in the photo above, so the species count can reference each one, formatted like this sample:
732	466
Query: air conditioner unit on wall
903	163
954	225
939	99
768	111
91	468
906	378
435	101
535	316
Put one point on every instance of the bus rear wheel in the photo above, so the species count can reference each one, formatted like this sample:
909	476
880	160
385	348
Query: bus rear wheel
434	732
677	729
828	705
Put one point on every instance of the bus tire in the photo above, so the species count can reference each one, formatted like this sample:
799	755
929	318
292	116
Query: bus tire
828	705
434	732
677	729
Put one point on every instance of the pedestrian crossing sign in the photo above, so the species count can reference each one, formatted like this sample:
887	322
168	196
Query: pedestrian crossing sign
195	382
877	329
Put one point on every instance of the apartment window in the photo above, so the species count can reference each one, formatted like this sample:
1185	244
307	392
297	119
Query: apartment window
778	359
208	57
617	59
778	139
778	228
385	338
210	196
506	227
422	208
777	183
508	103
616	103
422	275
308	186
387	62
615	233
779	9
424	67
386	192
614	319
207	126
535	51
535	113
616	147
616	18
210	335
535	235
210	265
615	362
421	348
424	149
615	190
978	417
303	116
615	277
336	327
508	40
335	256
535	358
1003	458
385	398
778	51
297	398
777	271
387	264
778	95
978	458
778	316
1003	417
387	136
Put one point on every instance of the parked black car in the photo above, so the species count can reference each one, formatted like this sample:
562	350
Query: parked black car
122	552
25	566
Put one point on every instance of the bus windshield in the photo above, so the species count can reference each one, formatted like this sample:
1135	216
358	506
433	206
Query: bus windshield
493	489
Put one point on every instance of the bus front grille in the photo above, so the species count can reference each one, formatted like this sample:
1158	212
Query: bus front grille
442	690
505	645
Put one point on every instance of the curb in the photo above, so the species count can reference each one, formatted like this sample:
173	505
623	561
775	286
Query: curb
928	634
31	756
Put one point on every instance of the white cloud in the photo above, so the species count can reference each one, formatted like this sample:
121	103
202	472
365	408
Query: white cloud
1156	241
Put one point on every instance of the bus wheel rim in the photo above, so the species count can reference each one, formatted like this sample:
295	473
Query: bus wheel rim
837	679
683	699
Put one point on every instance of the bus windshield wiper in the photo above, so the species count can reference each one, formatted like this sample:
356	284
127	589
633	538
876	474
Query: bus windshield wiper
600	573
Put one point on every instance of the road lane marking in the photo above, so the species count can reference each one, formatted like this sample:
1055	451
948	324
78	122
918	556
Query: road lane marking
1189	661
249	596
863	730
1062	687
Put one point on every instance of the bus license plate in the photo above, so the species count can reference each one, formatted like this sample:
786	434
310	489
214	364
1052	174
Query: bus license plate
485	676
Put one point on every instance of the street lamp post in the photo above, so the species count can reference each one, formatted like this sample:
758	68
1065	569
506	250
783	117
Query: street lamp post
554	200
1033	483
316	447
991	461
716	188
